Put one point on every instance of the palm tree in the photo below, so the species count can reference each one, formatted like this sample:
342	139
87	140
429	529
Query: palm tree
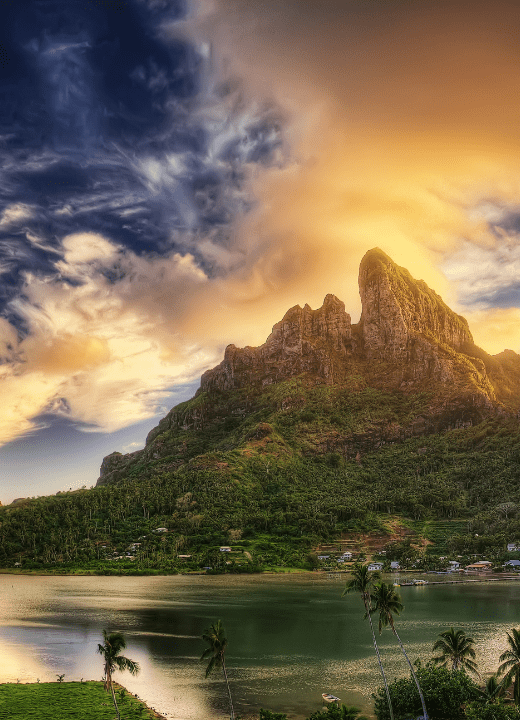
217	643
493	691
456	648
362	581
111	649
510	660
388	603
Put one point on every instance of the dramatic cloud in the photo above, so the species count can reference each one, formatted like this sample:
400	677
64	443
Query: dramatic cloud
404	117
175	175
126	162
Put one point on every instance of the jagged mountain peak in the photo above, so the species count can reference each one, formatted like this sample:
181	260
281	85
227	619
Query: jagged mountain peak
397	307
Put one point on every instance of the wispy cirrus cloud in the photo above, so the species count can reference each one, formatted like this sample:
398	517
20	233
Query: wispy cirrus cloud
126	160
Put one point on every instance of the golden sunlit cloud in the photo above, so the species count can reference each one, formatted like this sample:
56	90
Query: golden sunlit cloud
402	119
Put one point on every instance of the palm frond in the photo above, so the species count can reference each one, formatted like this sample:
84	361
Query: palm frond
124	663
211	666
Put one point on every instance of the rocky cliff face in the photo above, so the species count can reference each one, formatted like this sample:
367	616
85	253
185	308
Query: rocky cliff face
315	342
414	339
407	340
397	309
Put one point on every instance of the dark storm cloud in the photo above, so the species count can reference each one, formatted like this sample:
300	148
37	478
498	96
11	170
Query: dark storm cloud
103	128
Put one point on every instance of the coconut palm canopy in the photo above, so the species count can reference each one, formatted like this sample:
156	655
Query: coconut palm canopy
387	602
362	581
510	666
111	649
456	649
217	644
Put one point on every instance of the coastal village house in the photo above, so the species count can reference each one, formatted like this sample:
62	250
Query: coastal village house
479	566
514	564
375	566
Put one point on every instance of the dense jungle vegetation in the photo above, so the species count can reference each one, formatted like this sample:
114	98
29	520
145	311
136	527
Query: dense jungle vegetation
267	476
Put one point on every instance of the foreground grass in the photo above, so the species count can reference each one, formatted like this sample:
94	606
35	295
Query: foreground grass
68	701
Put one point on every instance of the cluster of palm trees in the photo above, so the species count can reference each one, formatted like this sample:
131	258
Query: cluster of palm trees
381	597
454	646
457	651
114	643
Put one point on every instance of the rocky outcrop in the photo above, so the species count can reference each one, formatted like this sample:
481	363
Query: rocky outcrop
114	465
398	309
314	342
413	340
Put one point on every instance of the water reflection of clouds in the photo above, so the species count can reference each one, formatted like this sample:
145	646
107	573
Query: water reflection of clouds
23	663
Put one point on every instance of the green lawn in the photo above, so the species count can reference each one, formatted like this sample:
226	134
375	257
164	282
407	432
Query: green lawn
67	701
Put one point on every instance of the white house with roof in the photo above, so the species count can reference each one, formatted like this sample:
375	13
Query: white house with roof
375	567
512	547
394	565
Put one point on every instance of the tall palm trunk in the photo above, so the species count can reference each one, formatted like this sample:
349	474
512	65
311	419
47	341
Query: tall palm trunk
425	714
228	689
110	685
367	609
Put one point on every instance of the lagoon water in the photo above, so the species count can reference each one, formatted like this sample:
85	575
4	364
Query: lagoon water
290	637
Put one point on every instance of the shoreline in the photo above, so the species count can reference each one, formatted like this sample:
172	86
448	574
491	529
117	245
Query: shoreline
87	573
157	715
298	572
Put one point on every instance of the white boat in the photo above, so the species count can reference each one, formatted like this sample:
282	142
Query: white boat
330	698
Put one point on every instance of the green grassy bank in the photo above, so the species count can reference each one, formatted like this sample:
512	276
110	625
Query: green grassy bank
69	701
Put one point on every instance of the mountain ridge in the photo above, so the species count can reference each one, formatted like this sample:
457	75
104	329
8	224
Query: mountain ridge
407	341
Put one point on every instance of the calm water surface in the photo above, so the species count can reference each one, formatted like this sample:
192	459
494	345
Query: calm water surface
290	638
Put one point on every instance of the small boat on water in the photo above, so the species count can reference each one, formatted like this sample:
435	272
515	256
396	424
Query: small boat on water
330	698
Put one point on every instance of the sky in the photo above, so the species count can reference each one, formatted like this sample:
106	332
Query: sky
176	174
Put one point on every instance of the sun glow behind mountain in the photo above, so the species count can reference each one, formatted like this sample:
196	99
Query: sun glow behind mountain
176	175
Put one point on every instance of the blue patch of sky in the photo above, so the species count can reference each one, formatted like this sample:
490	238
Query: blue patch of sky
67	457
502	297
90	92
